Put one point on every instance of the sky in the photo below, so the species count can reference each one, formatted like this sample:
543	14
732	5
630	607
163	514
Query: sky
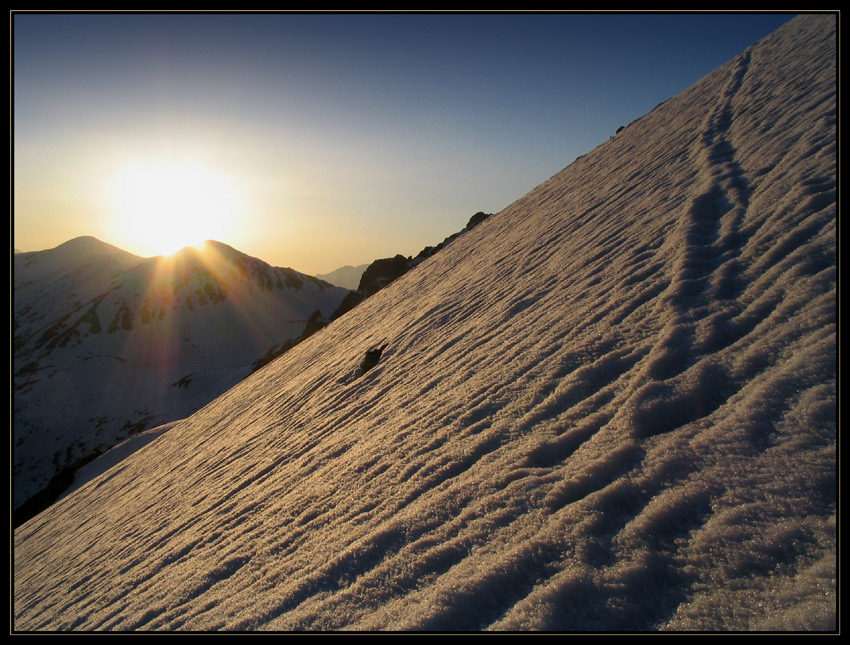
318	140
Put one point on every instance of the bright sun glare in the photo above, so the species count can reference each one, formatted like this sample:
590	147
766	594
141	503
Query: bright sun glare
166	206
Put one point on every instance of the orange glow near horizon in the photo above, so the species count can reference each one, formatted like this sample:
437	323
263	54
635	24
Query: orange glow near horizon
166	206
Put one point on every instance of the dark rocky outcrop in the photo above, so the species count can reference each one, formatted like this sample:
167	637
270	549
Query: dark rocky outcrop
384	271
381	272
371	358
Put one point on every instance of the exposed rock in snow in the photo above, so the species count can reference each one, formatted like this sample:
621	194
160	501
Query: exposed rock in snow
371	358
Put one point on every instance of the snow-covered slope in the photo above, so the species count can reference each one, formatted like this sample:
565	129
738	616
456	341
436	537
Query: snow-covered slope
107	343
611	406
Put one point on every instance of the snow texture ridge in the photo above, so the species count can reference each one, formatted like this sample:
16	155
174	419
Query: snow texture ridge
609	407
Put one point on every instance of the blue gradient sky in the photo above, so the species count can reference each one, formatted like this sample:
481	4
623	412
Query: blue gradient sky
347	137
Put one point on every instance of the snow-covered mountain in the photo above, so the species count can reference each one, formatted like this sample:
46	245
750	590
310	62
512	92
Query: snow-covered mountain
107	344
611	406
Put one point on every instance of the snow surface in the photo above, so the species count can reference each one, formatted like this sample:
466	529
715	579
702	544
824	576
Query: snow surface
115	455
611	406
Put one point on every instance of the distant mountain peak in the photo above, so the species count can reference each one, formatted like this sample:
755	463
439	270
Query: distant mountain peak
89	243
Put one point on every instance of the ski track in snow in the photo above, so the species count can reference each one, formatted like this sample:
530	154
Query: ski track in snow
610	407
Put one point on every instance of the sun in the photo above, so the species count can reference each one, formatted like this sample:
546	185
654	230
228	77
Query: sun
164	206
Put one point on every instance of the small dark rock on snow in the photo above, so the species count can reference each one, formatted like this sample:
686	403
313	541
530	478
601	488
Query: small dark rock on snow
371	358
